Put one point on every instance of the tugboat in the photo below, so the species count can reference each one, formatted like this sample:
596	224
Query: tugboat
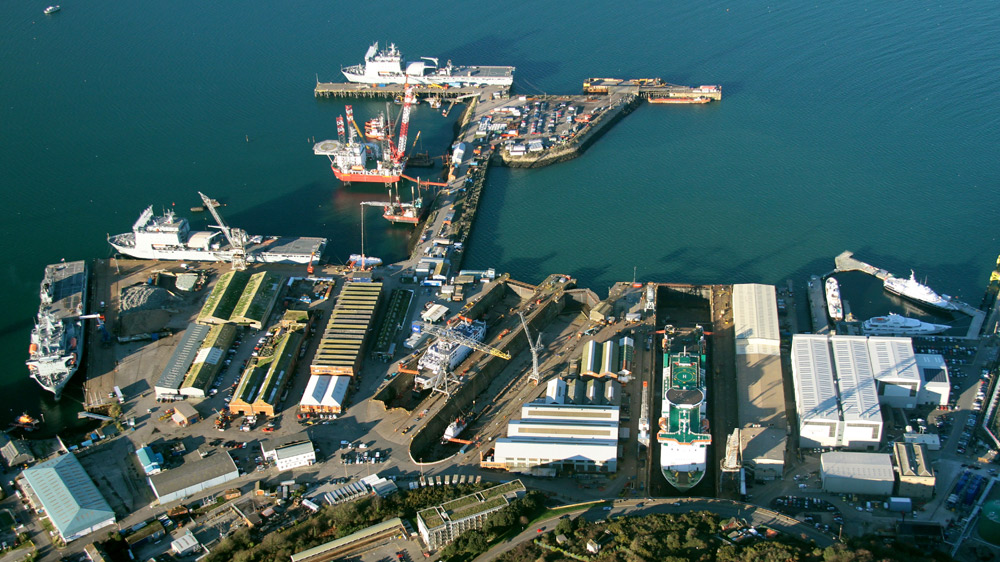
25	422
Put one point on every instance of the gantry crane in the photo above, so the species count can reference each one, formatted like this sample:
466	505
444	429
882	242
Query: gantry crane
445	378
534	347
237	237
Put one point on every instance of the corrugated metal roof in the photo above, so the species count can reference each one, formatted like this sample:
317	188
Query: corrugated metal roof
325	390
68	495
812	369
193	473
864	466
855	381
755	315
893	359
184	354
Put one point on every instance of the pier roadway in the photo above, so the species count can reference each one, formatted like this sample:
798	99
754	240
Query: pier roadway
817	305
754	515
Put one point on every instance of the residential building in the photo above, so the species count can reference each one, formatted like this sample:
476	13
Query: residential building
441	524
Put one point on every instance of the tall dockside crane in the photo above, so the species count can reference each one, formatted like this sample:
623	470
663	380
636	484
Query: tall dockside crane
535	348
237	237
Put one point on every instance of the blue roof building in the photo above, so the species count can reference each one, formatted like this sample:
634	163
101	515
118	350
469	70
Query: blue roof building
151	462
61	489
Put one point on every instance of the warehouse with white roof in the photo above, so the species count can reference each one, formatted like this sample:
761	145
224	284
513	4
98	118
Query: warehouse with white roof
325	394
935	385
859	405
760	386
61	489
582	438
816	398
895	368
867	474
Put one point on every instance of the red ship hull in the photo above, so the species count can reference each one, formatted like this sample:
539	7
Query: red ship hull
365	178
400	218
679	100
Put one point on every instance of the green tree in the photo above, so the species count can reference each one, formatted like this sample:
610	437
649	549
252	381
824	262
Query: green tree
565	527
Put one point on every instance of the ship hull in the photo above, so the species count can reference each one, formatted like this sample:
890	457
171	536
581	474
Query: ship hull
55	355
944	305
348	177
220	256
679	100
399	78
682	480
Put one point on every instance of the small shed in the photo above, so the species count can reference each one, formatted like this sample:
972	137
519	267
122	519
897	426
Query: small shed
185	414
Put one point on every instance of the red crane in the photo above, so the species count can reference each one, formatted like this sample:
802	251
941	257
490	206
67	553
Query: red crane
404	126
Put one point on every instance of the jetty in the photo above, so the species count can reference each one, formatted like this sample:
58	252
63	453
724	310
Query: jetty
817	305
847	262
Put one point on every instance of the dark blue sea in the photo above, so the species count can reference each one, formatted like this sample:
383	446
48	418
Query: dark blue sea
847	125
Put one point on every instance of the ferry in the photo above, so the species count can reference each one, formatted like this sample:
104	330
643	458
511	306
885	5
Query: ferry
896	325
683	434
387	66
834	305
917	292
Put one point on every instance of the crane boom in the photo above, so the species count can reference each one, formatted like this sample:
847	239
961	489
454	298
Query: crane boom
349	110
404	125
462	340
235	236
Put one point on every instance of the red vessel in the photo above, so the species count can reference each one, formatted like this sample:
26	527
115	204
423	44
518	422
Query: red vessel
699	99
354	160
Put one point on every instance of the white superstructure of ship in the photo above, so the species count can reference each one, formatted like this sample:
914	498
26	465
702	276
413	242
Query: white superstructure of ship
834	304
683	434
57	339
169	237
387	66
448	353
896	325
917	291
453	430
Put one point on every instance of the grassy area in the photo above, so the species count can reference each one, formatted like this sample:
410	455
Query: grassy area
455	505
556	512
431	517
515	486
225	296
478	508
256	298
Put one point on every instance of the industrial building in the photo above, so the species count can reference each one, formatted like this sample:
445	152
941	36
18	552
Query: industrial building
289	452
193	476
152	463
184	414
259	389
835	392
441	524
62	490
609	359
895	368
760	387
240	297
15	452
935	388
208	360
355	543
581	438
864	474
341	347
555	392
173	375
325	394
916	475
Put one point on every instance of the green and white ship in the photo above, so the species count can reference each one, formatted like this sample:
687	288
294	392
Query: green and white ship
684	435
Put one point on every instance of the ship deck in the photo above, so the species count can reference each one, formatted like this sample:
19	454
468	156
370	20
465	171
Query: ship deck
293	245
69	288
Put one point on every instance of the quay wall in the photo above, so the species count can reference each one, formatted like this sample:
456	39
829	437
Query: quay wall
578	146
